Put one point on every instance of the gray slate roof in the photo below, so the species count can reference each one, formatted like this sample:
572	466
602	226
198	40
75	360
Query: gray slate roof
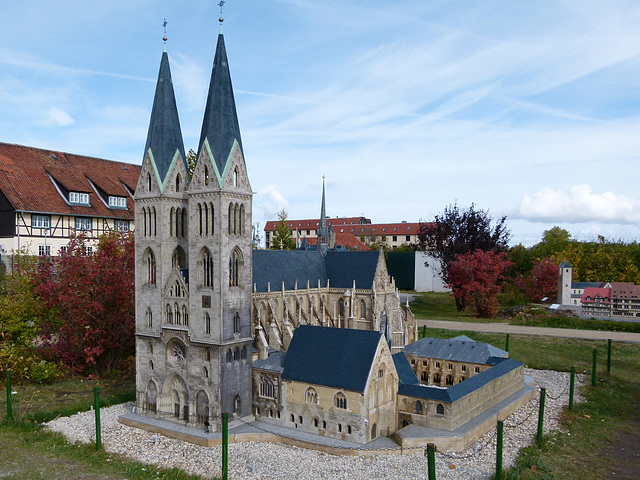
565	264
220	125
288	266
333	357
454	350
462	389
164	136
272	363
406	375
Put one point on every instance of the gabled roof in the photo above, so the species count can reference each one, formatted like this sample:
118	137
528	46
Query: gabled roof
164	138
333	357
38	180
624	290
590	293
462	389
220	126
565	264
289	266
454	350
580	285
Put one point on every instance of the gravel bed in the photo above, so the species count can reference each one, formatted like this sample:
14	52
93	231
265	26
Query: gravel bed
258	460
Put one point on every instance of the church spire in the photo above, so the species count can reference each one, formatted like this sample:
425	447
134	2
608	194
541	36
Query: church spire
164	140
220	128
323	234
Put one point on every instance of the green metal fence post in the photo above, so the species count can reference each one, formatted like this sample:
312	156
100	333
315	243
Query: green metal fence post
543	394
609	356
572	384
594	367
431	460
499	450
506	347
225	446
9	407
96	406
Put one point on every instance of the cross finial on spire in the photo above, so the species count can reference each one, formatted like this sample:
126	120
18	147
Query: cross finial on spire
221	4
164	24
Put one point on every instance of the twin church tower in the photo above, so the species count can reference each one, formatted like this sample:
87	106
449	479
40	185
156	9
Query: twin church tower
193	260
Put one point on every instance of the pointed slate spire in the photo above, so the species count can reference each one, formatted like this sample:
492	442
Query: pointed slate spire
220	126
323	233
164	139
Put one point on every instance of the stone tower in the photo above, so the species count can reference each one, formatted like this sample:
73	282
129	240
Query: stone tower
193	254
565	276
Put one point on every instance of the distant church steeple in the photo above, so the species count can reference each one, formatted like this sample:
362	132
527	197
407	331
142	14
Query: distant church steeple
220	129
164	140
323	234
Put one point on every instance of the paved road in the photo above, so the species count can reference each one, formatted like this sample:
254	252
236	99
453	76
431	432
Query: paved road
520	330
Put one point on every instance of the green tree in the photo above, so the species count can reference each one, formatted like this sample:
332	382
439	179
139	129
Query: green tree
192	159
282	238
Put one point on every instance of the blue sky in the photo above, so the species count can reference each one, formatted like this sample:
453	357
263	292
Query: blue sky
529	109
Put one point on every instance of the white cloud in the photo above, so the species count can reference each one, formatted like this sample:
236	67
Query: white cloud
56	117
267	203
578	205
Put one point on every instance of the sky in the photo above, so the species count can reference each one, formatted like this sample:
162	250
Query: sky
526	109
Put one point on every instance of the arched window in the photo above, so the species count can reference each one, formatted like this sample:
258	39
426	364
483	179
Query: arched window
440	409
205	214
374	431
168	314
236	219
235	265
229	356
155	231
363	309
235	177
311	395
150	263
150	364
172	214
206	176
267	388
178	259
236	323
149	318
207	324
178	219
178	183
185	316
144	218
207	268
419	407
202	407
149	182
424	377
241	220
436	378
213	229
230	218
340	400
236	405
449	380
236	354
200	216
243	353
176	312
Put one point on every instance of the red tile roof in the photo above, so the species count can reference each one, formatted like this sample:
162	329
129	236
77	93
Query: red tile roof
344	240
28	178
590	294
314	223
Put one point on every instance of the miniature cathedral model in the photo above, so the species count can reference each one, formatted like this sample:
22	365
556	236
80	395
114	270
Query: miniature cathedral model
193	251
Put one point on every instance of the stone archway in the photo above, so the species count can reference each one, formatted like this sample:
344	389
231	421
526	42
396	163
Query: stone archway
202	407
174	401
151	393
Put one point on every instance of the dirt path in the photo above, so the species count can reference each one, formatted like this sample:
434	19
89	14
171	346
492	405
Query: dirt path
521	330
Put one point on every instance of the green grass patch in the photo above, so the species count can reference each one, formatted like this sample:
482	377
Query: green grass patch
542	319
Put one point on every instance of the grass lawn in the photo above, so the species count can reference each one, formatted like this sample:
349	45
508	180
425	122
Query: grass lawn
29	452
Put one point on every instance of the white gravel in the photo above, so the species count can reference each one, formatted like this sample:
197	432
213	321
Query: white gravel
257	460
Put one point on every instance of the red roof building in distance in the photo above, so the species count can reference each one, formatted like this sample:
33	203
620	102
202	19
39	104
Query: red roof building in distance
625	299
596	301
47	195
392	235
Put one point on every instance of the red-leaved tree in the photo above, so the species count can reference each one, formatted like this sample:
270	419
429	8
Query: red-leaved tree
475	279
543	281
93	295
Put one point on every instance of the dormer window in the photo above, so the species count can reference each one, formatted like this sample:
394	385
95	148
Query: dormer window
116	202
79	198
